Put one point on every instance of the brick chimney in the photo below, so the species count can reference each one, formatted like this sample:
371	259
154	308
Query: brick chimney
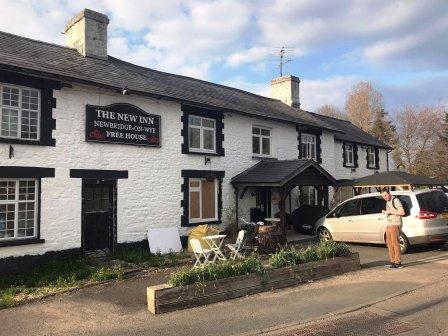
286	89
87	33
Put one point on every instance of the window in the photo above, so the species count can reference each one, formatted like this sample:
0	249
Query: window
201	134
18	204
435	201
20	112
261	141
348	154
203	200
372	205
349	209
371	157
308	146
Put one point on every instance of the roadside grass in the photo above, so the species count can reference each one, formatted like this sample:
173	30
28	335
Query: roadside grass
144	258
52	277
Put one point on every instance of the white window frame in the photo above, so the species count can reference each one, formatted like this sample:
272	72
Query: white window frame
20	109
309	144
16	201
371	153
201	135
349	154
261	137
199	189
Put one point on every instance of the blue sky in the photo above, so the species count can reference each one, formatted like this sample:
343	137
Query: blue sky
401	46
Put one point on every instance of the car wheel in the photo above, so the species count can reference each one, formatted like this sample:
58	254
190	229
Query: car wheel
324	234
405	247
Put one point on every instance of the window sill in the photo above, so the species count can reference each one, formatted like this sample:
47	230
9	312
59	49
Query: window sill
18	242
257	156
14	141
210	222
372	167
203	153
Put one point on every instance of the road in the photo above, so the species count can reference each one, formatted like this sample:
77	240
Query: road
119	308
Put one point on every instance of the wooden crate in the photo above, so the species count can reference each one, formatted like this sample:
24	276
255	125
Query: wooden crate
164	298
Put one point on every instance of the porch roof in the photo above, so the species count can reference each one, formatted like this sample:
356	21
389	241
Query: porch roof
391	178
278	173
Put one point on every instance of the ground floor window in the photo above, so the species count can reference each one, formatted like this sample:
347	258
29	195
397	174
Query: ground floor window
203	199
18	208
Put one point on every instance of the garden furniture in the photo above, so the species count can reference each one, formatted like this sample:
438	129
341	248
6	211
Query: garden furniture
215	242
200	253
235	249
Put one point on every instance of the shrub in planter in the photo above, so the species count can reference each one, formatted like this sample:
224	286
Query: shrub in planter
321	251
227	269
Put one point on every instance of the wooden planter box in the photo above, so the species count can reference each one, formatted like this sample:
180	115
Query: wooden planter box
165	298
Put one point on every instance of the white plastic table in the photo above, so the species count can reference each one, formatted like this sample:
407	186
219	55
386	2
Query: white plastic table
215	242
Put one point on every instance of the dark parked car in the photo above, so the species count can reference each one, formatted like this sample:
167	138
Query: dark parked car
305	217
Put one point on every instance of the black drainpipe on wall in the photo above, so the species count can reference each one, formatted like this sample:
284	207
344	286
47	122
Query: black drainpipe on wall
387	158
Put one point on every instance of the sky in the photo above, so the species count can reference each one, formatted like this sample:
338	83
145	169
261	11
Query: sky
400	46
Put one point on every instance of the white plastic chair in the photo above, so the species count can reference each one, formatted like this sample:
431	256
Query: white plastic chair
200	253
235	249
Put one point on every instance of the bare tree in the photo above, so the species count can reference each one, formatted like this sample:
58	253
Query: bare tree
418	131
331	111
363	104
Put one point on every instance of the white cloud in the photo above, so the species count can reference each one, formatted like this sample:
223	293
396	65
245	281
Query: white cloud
251	55
333	90
241	83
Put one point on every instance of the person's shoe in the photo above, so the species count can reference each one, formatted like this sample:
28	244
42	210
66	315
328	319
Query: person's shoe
389	265
395	266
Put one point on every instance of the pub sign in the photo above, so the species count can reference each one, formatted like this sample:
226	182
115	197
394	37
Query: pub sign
123	124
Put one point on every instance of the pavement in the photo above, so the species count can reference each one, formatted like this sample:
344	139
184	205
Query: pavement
119	308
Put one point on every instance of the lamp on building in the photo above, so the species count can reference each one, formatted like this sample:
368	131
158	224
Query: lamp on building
209	176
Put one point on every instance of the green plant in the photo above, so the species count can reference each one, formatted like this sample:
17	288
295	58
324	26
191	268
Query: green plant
7	298
229	268
103	273
286	257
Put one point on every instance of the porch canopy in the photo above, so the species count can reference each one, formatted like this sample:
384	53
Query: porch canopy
397	179
283	176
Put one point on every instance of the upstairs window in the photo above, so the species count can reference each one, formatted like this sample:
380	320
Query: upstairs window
18	209
261	141
201	134
308	146
20	112
371	157
348	154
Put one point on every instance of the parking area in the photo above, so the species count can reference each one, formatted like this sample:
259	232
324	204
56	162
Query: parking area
119	307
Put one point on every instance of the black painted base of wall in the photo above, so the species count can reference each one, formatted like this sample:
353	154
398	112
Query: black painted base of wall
16	265
144	244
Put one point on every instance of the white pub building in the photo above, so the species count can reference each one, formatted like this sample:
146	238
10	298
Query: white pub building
95	150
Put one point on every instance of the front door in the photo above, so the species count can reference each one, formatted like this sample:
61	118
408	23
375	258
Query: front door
98	214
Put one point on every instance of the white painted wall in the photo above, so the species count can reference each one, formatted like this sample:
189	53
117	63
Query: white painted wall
151	196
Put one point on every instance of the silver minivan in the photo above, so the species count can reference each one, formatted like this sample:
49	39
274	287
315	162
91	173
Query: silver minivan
359	219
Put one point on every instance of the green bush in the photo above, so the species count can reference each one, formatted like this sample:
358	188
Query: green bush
286	257
322	250
227	269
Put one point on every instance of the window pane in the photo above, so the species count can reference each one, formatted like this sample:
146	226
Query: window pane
372	205
265	132
304	151
26	190
255	145
208	123
194	137
10	122
313	151
10	96
194	205
255	130
7	214
7	190
209	137
349	209
192	120
208	199
29	125
30	99
266	144
194	184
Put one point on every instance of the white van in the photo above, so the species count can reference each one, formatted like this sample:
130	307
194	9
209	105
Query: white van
359	219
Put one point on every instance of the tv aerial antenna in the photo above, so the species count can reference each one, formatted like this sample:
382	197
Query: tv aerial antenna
282	56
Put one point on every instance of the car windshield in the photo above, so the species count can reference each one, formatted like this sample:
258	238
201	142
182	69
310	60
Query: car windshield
435	201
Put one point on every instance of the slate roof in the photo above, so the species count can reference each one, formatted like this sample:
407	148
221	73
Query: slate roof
277	172
391	178
61	62
351	132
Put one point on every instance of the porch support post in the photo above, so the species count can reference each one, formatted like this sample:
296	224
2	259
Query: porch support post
326	196
236	192
282	204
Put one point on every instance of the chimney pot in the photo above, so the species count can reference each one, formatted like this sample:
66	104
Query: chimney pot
87	33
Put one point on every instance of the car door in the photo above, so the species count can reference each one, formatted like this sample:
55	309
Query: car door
371	222
342	221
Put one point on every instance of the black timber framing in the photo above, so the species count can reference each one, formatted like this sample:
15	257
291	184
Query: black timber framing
99	174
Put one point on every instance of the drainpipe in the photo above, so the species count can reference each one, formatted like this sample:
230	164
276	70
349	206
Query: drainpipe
387	158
